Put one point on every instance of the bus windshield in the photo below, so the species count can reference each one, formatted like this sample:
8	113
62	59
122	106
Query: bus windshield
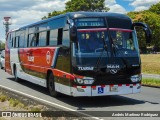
90	45
91	41
124	42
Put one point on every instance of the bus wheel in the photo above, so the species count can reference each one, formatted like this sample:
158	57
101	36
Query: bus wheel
15	75
51	86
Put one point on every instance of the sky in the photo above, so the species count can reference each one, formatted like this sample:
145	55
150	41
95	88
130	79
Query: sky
24	12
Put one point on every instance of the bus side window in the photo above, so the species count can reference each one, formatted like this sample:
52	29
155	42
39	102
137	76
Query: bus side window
21	40
48	38
37	40
14	42
66	41
53	37
32	40
60	33
17	42
27	41
42	38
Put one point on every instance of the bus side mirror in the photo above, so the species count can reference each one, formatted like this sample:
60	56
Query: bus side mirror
73	33
147	30
148	34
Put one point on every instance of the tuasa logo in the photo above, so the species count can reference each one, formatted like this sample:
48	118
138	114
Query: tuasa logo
85	68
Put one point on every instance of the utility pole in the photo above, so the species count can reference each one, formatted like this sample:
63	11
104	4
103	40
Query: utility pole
6	23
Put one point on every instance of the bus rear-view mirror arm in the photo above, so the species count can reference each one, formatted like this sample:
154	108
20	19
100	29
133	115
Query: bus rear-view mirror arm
73	34
147	30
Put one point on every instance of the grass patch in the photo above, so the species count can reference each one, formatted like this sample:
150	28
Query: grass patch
151	63
151	81
3	98
14	102
35	109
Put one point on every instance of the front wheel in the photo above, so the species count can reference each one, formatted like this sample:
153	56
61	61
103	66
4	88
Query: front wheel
51	86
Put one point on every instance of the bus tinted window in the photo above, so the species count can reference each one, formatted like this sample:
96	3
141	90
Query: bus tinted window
65	40
21	40
17	41
42	38
53	37
32	40
12	42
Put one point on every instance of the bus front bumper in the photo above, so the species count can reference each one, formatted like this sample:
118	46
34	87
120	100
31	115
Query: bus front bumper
104	90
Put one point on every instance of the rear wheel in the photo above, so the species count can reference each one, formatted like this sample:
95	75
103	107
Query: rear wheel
51	86
15	75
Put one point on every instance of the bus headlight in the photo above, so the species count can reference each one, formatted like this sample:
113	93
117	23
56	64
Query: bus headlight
80	81
89	81
85	80
136	78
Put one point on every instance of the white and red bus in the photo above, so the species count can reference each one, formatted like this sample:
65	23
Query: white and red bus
78	54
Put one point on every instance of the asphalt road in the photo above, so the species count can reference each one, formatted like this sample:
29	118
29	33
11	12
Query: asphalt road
147	100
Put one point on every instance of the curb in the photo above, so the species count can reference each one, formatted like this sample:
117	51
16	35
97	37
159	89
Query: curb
150	86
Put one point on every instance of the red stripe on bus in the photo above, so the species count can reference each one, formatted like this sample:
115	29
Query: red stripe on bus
119	85
60	73
134	84
93	87
119	29
75	86
111	85
127	84
102	29
84	86
103	86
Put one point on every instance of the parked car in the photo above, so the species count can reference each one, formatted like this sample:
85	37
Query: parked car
2	59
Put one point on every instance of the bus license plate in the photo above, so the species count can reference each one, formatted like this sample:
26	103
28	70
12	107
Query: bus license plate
114	88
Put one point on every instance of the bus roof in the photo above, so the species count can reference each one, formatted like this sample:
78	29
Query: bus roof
73	15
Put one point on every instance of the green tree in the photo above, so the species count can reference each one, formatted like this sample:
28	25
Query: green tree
80	5
153	20
54	13
155	8
2	45
151	17
85	5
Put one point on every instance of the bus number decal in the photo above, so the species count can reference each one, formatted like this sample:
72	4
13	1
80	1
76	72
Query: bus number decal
31	58
48	57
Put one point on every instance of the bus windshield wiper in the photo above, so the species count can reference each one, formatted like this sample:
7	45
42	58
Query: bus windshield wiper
114	48
105	48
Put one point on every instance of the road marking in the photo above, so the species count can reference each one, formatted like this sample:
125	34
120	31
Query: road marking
49	102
